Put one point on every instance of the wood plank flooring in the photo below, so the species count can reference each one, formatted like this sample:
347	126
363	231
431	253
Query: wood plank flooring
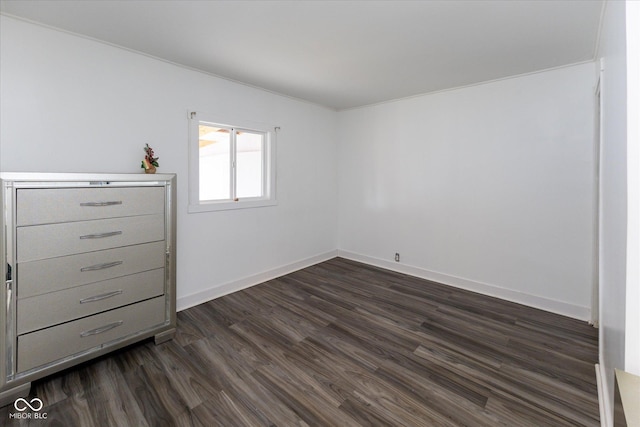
341	344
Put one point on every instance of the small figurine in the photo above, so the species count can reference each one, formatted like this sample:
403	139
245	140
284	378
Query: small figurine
149	163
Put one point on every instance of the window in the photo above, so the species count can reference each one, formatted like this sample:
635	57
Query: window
231	165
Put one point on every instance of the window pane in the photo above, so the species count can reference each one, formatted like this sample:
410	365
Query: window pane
249	163
215	163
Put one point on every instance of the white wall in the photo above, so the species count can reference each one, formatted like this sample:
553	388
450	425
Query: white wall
620	239
632	321
70	104
488	187
613	198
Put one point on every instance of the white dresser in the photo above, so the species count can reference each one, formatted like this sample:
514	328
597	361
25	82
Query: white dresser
89	267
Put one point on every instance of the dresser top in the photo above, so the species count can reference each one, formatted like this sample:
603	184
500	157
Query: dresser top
91	177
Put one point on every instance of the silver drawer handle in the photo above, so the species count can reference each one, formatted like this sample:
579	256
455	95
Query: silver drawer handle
101	266
100	235
101	329
116	202
101	297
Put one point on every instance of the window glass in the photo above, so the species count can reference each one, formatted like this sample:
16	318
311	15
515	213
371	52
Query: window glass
249	164
215	162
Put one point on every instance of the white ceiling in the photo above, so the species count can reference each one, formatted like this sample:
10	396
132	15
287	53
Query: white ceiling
340	54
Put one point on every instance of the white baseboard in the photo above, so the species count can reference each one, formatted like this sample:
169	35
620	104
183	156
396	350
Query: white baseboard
570	310
605	396
565	309
213	292
602	401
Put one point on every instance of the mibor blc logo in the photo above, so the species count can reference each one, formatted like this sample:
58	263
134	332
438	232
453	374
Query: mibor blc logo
28	409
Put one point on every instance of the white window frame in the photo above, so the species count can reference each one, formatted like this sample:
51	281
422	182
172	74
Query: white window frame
268	167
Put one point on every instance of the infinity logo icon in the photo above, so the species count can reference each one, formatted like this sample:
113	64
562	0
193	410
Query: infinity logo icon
22	404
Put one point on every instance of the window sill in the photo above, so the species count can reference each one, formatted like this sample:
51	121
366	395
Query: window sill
224	206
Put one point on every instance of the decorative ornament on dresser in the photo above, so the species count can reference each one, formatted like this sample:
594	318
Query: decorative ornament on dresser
149	163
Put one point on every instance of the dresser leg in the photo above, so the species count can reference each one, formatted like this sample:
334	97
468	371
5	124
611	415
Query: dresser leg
7	397
164	336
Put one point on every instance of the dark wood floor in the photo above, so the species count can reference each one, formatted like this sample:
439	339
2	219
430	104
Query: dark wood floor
341	344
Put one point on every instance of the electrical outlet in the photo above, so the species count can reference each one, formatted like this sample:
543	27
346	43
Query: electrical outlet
397	257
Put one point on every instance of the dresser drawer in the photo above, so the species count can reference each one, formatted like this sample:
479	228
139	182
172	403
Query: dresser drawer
51	205
54	274
53	240
82	301
51	344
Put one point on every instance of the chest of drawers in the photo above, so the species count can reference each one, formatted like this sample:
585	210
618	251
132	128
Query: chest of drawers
89	267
